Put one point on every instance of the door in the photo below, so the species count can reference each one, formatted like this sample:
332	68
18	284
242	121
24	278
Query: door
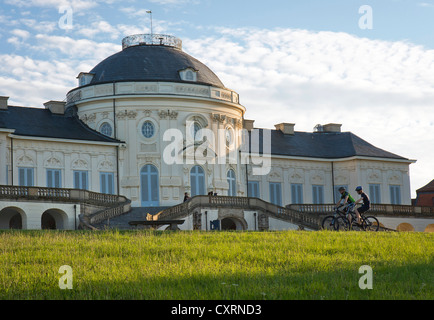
232	183
150	186
197	179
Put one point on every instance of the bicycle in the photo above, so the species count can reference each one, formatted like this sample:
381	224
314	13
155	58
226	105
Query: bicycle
368	223
332	222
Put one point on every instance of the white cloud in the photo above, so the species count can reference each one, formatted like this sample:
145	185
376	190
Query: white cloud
379	90
40	26
75	4
99	27
174	2
23	34
72	48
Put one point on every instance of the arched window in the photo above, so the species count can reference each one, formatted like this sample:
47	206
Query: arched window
232	183
197	180
195	131
106	129
189	75
149	184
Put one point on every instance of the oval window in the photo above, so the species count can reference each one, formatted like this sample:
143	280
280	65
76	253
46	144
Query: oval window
148	129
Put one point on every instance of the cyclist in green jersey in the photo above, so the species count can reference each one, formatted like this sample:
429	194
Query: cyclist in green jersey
348	199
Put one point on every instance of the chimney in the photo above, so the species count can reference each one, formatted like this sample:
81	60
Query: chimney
332	127
248	124
56	107
3	103
286	128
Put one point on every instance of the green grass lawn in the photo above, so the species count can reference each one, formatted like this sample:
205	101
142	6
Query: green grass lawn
216	265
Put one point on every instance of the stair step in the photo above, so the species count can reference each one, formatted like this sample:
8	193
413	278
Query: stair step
136	213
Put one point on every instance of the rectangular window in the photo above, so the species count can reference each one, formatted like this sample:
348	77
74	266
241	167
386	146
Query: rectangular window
81	180
395	194
107	182
54	178
253	189
374	193
276	193
318	194
25	177
297	193
338	194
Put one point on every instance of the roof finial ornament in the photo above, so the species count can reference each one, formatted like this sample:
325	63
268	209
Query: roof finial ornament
150	12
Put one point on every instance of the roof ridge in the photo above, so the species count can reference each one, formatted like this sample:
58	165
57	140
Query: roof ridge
94	131
428	187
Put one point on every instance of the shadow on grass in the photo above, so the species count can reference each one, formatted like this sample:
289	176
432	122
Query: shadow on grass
409	282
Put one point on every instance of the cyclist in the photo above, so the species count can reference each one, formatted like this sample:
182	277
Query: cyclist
348	199
366	203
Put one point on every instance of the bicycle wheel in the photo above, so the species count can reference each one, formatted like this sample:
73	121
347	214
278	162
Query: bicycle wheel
371	224
328	223
356	227
342	224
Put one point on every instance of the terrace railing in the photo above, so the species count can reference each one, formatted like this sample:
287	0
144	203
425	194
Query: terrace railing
376	209
114	205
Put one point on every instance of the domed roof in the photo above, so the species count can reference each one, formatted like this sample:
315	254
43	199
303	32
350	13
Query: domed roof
152	61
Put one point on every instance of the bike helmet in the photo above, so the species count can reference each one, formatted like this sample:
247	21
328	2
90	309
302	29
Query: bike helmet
341	189
359	188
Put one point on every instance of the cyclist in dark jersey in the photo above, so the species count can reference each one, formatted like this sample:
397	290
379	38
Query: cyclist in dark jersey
366	203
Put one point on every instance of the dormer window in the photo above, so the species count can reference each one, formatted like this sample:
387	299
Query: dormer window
188	74
84	78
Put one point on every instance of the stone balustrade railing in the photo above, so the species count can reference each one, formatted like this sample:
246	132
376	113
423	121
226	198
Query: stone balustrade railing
59	194
286	214
114	205
381	209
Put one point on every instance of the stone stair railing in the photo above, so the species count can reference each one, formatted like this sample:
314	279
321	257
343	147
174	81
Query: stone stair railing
286	214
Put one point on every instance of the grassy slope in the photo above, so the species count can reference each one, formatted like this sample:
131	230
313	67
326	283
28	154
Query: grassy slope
221	265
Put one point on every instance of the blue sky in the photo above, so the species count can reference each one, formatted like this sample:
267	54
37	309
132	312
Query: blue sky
307	62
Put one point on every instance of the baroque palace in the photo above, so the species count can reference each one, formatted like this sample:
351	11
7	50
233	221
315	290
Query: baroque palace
151	123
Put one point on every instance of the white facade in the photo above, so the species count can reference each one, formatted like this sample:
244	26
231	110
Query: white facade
140	113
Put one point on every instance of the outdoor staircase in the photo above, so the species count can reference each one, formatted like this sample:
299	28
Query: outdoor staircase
181	211
267	209
135	214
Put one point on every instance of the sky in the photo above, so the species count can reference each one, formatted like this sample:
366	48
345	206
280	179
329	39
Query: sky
368	65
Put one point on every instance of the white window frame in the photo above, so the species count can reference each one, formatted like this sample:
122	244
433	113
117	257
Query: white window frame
51	181
232	180
82	177
107	181
253	189
276	193
395	194
26	176
375	193
318	194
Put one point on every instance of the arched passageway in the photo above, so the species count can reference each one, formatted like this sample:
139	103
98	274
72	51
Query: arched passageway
232	224
53	219
12	218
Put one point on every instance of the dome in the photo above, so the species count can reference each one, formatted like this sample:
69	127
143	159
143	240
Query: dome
152	58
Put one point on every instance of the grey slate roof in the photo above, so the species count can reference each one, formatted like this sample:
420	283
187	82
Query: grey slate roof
151	63
37	122
42	123
324	145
